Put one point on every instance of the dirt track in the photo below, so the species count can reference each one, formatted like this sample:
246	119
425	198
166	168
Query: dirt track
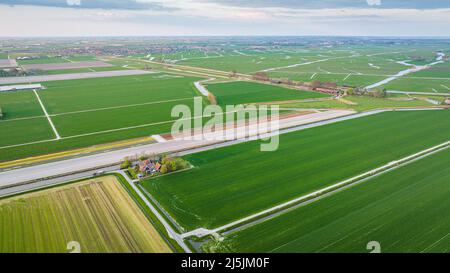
62	66
62	77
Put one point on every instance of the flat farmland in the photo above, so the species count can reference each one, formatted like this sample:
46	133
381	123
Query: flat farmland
252	61
90	112
307	160
420	85
240	92
98	213
359	103
43	60
405	210
24	131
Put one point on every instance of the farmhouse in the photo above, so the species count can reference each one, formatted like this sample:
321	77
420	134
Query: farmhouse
11	88
148	167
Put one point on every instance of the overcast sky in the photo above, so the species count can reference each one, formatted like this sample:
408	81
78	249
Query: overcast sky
224	17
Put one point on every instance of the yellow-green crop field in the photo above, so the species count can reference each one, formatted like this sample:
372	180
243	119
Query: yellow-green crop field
97	213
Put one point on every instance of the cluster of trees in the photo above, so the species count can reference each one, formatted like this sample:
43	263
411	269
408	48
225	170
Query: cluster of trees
12	72
376	93
172	164
318	84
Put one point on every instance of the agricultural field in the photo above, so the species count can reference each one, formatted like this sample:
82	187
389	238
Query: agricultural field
43	60
361	103
307	160
89	112
98	213
249	62
234	93
405	210
420	85
55	59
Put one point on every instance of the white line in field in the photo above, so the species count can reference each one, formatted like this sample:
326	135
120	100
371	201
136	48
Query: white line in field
386	53
28	143
406	72
106	131
327	190
19	119
365	74
445	86
140	126
313	75
352	71
324	71
308	63
347	76
119	107
46	114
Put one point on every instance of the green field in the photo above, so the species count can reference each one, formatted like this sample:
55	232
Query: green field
307	160
43	60
405	210
99	214
90	111
360	103
235	93
420	85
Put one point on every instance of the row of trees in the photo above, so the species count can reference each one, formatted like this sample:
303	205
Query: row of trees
376	93
173	164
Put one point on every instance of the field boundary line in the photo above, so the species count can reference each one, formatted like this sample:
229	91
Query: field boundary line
106	131
142	126
118	107
46	114
275	210
24	118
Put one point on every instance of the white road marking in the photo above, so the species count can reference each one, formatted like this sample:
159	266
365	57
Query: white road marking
46	114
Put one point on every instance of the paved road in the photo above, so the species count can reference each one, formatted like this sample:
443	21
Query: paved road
172	233
54	181
9	178
62	66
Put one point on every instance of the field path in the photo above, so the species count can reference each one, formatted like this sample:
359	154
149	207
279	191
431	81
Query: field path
46	114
